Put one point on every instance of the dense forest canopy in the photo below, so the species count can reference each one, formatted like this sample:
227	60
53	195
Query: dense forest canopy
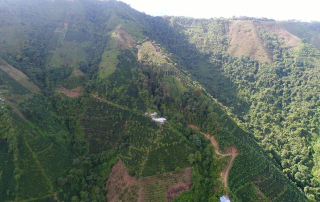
78	80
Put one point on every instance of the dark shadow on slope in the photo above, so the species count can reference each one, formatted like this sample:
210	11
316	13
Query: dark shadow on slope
202	67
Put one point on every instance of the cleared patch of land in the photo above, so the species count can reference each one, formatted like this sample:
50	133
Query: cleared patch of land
175	190
70	93
245	41
108	63
19	77
124	39
151	53
304	31
19	113
289	39
123	187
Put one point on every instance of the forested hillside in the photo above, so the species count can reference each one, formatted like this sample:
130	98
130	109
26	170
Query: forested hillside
275	100
79	80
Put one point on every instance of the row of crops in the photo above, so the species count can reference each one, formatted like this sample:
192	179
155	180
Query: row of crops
7	182
254	175
145	147
41	161
155	187
166	159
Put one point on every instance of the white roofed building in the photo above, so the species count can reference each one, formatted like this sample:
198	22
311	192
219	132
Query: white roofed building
159	120
224	199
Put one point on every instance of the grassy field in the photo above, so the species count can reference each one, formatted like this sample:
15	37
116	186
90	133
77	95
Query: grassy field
69	53
10	87
19	77
108	63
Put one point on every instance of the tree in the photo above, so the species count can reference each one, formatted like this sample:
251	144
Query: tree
191	158
177	170
19	58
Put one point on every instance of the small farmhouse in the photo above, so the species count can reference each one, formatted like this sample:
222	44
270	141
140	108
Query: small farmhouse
159	120
154	114
224	199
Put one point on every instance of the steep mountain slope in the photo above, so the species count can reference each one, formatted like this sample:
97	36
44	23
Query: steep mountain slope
255	92
245	41
120	64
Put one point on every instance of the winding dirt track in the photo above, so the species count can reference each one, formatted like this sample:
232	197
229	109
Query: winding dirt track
231	151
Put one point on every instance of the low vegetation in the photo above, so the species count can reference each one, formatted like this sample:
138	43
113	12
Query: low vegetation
19	76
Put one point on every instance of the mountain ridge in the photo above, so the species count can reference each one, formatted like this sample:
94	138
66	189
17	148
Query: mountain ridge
183	69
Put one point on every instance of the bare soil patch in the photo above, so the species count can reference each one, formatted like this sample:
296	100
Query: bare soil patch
118	181
19	113
122	187
157	49
124	39
70	93
289	39
56	198
245	41
175	190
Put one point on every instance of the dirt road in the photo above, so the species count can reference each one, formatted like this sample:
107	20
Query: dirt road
231	151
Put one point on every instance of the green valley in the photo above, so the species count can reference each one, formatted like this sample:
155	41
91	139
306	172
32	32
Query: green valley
237	104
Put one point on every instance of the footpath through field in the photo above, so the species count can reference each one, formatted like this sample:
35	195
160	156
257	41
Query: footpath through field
231	151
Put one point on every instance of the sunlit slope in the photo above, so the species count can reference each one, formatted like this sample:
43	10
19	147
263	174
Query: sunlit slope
252	163
309	32
274	99
245	41
19	76
126	63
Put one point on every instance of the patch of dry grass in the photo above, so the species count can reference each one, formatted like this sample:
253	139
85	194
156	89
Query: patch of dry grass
245	41
290	40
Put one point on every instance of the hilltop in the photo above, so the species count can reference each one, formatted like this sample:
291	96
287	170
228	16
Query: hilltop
80	78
